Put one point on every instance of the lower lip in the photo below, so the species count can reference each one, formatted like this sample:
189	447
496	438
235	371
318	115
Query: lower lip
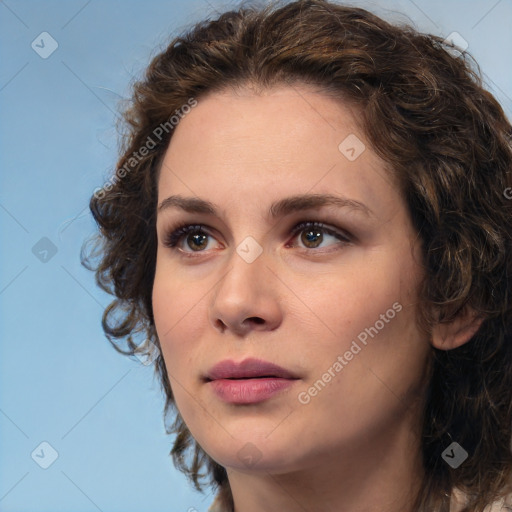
248	391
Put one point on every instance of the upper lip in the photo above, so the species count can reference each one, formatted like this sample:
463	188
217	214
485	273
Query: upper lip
248	368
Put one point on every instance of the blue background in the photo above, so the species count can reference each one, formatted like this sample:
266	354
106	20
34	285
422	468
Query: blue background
60	379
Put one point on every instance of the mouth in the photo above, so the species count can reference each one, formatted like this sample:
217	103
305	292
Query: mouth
255	377
249	382
248	369
249	390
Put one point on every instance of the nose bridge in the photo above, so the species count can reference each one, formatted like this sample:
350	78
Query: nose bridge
247	265
246	290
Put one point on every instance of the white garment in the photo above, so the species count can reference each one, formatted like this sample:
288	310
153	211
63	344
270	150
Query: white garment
502	505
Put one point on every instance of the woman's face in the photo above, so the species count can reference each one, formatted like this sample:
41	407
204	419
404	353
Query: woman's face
332	305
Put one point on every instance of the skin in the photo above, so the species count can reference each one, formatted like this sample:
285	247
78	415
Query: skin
355	445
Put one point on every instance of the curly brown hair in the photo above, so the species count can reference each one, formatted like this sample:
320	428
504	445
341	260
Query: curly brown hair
448	142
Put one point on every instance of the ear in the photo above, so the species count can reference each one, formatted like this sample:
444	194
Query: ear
447	336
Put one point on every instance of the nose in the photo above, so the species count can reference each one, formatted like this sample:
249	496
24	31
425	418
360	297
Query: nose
246	299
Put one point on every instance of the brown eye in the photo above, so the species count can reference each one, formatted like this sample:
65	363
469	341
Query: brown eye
312	234
311	238
195	236
197	240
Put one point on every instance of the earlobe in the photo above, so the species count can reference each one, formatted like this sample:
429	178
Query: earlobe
447	336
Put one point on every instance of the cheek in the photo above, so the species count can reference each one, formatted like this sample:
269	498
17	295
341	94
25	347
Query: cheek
374	306
379	376
355	297
177	311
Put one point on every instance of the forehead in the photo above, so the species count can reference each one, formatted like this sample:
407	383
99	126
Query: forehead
284	141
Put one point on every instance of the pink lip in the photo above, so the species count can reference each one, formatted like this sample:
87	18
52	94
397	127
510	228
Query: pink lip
248	368
250	381
248	391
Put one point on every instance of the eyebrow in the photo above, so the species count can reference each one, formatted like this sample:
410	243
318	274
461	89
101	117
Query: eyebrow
280	208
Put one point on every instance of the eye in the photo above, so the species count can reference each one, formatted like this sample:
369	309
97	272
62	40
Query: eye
196	236
313	234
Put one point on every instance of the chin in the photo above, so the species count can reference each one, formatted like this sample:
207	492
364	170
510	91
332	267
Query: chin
256	453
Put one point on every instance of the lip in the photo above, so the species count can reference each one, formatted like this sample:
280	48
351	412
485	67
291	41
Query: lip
248	368
248	391
250	381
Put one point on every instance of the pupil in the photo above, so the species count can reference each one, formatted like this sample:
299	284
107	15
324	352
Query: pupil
196	240
311	236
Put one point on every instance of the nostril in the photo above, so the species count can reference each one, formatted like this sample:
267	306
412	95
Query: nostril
221	325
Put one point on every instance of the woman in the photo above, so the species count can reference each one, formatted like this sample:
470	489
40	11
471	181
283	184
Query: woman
310	223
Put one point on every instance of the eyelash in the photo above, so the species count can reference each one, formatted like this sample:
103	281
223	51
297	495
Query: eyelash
175	236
